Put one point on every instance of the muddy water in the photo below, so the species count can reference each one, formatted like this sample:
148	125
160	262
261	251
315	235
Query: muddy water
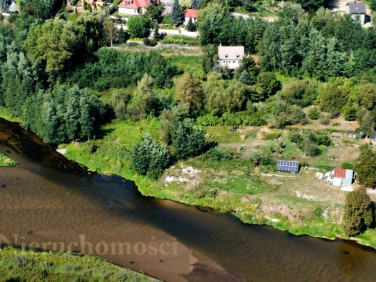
47	202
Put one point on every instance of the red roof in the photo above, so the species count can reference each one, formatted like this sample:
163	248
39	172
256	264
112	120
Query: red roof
135	4
340	173
191	13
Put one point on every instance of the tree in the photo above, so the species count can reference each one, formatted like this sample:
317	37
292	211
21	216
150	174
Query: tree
245	78
52	43
177	15
137	27
210	58
150	158
365	167
221	99
40	8
189	92
349	112
211	22
84	4
314	113
144	98
332	98
155	11
110	31
188	141
185	3
89	32
196	4
191	26
123	36
312	5
268	84
358	213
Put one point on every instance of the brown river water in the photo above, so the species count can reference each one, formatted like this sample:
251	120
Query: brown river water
50	203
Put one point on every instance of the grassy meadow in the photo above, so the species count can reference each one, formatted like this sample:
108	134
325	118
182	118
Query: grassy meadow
27	265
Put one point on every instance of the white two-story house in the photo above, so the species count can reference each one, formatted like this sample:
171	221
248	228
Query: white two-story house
230	56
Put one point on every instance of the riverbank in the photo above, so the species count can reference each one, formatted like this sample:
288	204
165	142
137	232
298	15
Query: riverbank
28	265
298	203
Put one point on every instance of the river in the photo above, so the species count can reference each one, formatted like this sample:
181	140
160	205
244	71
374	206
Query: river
50	203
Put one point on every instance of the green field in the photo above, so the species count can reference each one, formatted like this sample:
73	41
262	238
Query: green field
23	265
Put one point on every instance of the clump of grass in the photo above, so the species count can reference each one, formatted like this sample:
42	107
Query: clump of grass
23	265
6	161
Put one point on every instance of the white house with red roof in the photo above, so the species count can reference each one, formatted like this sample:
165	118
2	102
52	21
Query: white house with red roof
190	14
134	7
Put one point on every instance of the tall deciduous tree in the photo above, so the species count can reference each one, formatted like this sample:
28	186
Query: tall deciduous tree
110	31
358	214
52	43
144	98
365	167
189	92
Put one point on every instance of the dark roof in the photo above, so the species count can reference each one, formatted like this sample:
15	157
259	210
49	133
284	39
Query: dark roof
288	166
357	8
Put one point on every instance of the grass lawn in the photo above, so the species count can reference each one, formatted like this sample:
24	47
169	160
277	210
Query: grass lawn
22	265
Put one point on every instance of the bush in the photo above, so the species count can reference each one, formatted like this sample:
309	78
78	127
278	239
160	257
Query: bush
325	120
314	113
188	141
150	158
137	27
272	135
311	149
180	40
347	165
215	154
295	137
349	112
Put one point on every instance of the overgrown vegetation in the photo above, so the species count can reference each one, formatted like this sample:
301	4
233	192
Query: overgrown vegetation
6	161
22	265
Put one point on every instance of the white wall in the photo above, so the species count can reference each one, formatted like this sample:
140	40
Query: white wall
186	20
231	64
128	11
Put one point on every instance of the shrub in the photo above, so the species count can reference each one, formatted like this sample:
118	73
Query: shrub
188	141
216	154
180	40
310	148
349	112
272	135
347	165
137	27
295	137
314	113
150	158
325	120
